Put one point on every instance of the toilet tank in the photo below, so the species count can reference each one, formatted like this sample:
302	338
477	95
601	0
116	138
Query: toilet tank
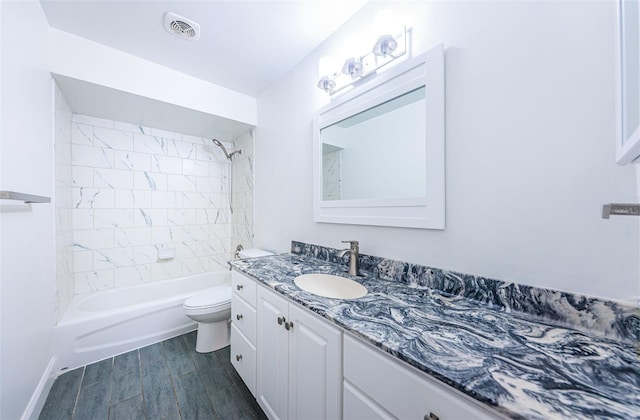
253	253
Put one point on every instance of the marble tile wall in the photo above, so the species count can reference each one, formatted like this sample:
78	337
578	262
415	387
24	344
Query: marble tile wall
62	200
137	190
242	216
331	175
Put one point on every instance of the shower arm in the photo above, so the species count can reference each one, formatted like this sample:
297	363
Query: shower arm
224	149
230	158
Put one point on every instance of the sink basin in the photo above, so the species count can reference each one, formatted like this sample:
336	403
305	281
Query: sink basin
331	286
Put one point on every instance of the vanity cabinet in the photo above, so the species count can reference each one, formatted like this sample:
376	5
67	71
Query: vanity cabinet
376	386
243	328
299	364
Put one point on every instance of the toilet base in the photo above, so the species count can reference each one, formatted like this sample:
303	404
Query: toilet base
212	336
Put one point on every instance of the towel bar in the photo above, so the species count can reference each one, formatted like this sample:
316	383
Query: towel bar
27	198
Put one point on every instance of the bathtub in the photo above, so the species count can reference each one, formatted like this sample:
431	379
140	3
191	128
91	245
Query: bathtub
103	324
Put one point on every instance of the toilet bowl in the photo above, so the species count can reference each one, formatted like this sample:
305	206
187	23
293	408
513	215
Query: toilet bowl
211	308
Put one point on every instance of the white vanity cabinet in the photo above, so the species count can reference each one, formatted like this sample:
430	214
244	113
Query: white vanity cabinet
299	365
376	386
243	328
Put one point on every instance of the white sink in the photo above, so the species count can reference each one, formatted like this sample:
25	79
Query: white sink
331	286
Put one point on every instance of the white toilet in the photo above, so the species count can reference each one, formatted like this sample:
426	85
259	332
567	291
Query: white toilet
211	308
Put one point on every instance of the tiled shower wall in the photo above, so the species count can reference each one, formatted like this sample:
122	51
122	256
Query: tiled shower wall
242	217
63	202
137	190
331	175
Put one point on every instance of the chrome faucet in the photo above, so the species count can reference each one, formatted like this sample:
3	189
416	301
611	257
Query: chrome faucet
236	253
354	251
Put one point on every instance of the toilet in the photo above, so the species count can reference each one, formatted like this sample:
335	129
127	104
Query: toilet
211	308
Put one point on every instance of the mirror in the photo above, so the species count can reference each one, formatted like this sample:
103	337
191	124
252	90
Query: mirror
628	74
379	149
377	153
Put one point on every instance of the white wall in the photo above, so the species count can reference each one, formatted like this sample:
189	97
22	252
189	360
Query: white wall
85	60
530	149
27	242
63	202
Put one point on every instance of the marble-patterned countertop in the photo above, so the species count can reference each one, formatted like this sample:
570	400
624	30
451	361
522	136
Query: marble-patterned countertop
521	367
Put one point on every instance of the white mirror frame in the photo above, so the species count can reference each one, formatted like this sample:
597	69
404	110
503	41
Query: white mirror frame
427	212
627	147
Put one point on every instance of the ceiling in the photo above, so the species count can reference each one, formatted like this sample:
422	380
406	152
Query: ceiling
244	45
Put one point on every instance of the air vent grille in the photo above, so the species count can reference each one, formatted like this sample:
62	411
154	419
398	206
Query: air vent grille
181	26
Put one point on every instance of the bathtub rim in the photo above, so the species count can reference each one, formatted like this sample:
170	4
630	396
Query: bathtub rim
74	314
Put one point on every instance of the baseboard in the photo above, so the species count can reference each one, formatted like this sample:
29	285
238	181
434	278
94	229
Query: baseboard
40	394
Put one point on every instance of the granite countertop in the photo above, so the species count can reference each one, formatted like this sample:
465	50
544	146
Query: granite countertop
520	366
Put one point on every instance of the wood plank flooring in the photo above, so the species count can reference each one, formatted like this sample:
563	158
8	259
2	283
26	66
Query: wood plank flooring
167	380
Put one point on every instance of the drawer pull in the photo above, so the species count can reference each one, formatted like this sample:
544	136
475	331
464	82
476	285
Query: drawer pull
239	357
281	320
239	286
288	325
239	317
431	416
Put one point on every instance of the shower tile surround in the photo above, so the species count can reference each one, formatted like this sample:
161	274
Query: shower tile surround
136	190
242	194
526	351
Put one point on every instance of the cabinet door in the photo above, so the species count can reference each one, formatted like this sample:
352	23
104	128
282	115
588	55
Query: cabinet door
243	358
315	367
272	347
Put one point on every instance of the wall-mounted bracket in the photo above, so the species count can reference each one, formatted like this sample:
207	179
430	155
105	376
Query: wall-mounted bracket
620	209
27	198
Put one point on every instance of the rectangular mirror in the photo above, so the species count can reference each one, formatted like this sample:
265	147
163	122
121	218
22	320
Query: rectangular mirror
378	153
628	75
379	149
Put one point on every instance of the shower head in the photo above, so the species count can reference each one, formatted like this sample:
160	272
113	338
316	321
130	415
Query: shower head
224	149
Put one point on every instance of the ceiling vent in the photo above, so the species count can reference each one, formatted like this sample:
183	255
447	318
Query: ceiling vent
181	26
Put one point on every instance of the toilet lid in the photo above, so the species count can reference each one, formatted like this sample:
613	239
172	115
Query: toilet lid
208	298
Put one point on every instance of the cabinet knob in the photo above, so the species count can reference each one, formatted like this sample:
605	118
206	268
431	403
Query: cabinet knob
281	320
288	325
239	317
431	416
239	357
239	286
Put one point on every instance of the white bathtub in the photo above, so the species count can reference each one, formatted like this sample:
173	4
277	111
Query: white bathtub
107	323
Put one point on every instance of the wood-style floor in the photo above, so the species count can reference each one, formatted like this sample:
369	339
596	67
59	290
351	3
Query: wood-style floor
167	380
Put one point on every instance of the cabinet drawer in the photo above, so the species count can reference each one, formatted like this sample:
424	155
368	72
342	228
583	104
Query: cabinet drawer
244	286
243	316
403	392
243	358
357	406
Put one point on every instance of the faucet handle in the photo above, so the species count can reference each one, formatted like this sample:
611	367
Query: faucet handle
354	244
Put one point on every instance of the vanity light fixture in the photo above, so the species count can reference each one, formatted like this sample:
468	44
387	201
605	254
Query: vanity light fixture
327	84
387	48
385	45
352	67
